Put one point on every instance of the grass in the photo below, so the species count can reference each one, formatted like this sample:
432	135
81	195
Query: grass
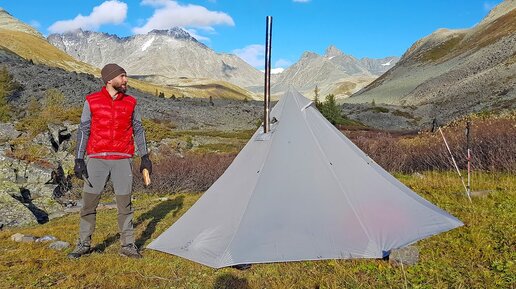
480	254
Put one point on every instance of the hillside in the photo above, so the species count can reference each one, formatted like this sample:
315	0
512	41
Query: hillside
452	73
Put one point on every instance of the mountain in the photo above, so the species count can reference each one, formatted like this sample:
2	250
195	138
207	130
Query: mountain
334	72
169	53
7	21
452	73
24	41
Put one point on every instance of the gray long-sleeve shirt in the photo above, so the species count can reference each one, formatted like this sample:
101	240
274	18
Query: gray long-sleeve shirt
83	132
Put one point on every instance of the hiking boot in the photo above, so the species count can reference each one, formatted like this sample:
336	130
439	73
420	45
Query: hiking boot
80	250
130	251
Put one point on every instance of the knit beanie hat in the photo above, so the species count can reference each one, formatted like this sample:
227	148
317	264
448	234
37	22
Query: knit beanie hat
111	71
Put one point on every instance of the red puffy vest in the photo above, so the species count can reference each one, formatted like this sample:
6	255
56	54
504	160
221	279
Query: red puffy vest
111	130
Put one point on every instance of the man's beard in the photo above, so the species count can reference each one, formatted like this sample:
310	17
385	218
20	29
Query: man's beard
120	88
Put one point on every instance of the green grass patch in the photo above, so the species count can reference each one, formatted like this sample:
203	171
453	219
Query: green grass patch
480	254
219	148
156	131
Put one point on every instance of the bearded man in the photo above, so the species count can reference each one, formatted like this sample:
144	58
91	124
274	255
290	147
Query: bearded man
110	126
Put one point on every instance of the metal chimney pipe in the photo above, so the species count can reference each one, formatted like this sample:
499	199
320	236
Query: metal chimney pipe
267	87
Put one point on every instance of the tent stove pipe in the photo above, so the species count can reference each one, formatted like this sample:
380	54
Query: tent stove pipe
267	87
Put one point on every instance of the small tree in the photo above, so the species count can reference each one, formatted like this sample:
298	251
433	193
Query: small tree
331	110
316	98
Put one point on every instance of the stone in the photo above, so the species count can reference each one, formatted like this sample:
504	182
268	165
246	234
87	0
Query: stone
8	132
46	238
407	256
59	245
17	237
13	213
28	239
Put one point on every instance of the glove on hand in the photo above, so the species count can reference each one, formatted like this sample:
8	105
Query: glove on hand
80	169
146	164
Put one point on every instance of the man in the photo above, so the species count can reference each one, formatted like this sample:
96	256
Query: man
110	125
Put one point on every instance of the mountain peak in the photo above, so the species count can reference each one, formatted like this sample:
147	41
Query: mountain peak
309	54
8	22
175	32
332	51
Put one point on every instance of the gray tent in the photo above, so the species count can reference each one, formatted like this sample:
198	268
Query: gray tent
301	192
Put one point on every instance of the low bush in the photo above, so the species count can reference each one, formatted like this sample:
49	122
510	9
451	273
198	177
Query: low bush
193	172
493	143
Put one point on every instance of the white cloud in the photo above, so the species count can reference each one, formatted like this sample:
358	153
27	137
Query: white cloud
253	54
109	12
274	70
170	14
155	3
301	1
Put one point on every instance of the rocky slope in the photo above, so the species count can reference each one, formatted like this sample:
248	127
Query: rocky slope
334	72
35	79
452	73
170	53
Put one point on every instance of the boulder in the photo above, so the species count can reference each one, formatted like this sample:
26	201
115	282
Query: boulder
408	255
8	132
12	212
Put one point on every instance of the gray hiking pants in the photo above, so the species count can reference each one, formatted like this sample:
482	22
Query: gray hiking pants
121	175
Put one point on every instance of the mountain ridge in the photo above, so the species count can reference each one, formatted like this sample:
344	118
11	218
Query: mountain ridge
452	73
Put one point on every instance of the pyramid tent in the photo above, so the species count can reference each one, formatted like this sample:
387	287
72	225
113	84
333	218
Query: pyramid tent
303	191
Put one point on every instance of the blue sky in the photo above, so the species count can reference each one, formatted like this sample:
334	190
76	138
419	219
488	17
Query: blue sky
362	28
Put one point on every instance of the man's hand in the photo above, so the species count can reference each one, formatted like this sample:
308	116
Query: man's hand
146	164
80	169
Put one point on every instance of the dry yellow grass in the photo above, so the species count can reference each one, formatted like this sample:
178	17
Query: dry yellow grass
480	254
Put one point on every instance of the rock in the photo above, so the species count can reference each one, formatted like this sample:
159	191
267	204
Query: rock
17	237
8	132
23	238
13	213
59	245
46	238
28	239
407	256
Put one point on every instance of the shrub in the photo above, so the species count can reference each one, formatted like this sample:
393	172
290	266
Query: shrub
492	147
191	173
51	111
